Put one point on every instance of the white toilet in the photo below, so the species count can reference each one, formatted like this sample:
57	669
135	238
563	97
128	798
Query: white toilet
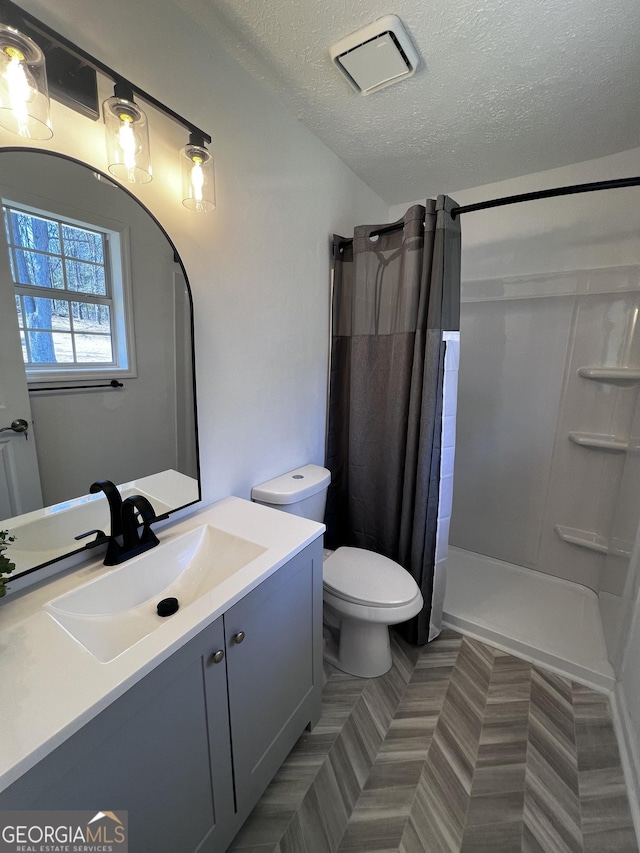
363	593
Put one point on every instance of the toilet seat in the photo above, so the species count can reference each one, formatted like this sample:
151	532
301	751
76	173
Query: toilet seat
363	577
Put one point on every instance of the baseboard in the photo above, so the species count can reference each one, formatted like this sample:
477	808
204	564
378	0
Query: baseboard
629	751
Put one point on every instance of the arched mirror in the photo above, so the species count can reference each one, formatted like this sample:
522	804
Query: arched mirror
96	353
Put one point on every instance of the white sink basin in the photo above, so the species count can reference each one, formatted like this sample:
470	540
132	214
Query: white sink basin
112	613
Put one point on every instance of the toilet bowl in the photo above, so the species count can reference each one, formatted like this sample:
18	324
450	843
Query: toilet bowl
363	592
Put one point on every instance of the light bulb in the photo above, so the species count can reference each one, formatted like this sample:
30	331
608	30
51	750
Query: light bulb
198	178
20	85
129	141
24	97
127	137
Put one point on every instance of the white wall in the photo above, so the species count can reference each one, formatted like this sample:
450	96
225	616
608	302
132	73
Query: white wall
621	577
630	686
258	265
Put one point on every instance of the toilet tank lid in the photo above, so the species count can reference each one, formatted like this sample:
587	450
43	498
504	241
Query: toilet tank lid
293	486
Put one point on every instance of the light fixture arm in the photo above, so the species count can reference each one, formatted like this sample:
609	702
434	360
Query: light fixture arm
40	32
196	137
122	89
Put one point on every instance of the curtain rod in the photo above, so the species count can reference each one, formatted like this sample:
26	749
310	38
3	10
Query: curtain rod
618	183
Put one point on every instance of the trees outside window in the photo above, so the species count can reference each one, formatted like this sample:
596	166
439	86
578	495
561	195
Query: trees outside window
66	299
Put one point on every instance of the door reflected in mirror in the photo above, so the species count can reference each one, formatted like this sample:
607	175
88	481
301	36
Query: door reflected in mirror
91	294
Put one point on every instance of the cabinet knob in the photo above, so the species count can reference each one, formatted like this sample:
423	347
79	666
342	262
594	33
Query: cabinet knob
218	656
238	638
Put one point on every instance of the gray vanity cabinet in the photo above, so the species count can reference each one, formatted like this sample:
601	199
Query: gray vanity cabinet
148	753
189	749
275	674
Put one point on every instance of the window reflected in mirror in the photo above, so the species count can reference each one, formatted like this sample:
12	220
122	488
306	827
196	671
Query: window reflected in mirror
68	281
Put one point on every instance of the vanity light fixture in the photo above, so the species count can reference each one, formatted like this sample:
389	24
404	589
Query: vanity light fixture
198	177
24	95
25	43
127	137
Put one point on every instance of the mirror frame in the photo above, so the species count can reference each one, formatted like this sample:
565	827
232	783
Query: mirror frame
178	260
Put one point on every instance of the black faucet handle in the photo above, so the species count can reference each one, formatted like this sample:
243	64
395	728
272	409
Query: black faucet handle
139	506
144	508
101	538
138	510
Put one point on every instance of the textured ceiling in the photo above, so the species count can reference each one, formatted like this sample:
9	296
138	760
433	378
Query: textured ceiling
505	88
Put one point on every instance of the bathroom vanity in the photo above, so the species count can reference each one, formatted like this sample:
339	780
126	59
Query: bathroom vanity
184	729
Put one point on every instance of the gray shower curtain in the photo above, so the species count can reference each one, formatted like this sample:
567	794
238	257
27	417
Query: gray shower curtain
393	296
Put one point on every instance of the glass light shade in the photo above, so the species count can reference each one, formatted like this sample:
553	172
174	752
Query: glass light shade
198	177
24	94
127	137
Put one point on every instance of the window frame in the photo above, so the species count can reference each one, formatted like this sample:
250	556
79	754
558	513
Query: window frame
120	284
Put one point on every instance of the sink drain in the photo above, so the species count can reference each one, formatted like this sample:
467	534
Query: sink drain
168	606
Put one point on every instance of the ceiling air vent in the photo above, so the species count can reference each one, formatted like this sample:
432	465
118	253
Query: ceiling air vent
376	56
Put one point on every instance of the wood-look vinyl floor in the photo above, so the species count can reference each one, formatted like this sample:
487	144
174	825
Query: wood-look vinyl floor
459	748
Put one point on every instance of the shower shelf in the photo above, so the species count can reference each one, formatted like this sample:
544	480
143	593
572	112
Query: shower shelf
599	441
610	374
583	538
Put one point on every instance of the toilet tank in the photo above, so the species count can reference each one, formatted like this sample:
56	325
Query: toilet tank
301	492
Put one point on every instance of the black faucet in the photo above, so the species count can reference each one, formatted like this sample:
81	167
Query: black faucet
115	504
126	517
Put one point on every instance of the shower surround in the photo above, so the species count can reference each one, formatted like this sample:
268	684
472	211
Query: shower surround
548	392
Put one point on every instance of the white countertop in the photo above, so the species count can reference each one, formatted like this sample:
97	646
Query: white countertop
50	685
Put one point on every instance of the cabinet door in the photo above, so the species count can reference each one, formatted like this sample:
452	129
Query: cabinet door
274	674
148	754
